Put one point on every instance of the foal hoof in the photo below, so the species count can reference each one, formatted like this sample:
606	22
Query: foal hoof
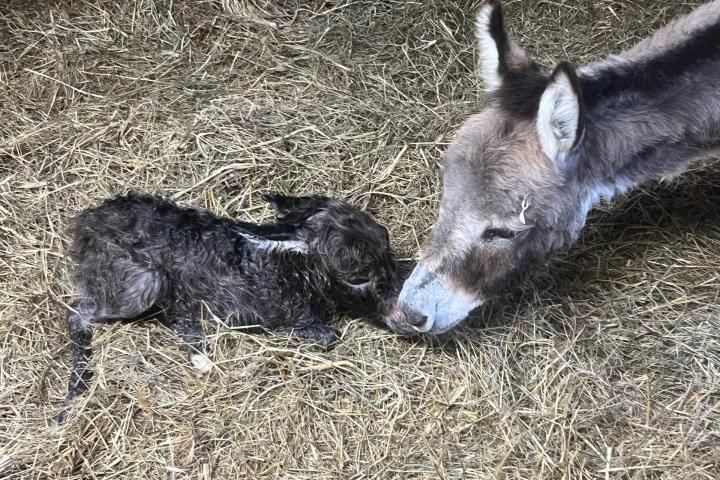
60	418
201	362
322	335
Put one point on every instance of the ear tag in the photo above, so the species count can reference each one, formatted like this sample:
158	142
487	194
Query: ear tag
525	205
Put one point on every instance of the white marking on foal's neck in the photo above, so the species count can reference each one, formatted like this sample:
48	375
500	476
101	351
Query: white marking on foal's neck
296	246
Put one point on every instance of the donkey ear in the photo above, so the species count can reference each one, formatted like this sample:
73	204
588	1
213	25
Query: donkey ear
499	53
561	116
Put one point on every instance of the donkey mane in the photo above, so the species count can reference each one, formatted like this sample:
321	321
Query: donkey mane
655	73
520	93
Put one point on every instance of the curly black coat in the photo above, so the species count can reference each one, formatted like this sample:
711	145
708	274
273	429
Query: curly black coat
140	254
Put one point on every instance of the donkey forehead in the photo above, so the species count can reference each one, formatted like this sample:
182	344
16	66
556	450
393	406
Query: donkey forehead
495	141
493	162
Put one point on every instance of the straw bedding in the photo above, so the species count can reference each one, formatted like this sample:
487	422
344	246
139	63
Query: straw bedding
604	364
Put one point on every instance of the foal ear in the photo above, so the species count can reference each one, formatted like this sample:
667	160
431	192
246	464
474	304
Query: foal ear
286	204
561	117
296	209
281	203
499	53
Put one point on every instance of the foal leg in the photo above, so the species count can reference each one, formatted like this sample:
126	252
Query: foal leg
318	333
132	299
80	327
191	331
310	327
187	325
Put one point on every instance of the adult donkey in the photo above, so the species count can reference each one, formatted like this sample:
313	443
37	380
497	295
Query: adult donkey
521	176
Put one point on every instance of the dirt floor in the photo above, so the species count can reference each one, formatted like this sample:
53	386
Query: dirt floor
605	364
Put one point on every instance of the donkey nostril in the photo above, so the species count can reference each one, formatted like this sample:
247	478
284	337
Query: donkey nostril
418	321
405	320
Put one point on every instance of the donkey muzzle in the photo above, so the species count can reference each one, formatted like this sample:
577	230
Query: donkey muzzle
429	305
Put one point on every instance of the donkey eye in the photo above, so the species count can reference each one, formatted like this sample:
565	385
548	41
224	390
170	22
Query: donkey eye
493	233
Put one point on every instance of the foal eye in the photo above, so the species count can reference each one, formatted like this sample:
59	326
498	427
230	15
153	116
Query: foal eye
493	233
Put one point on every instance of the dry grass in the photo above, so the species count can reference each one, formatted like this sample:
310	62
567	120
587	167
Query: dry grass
606	365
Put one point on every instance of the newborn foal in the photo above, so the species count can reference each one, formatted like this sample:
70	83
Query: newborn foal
140	254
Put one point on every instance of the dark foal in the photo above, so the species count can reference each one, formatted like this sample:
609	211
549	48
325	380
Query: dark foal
140	254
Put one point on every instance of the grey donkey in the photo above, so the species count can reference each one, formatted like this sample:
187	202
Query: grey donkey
139	255
521	176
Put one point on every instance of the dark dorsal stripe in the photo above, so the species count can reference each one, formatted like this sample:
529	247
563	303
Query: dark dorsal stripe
656	73
520	92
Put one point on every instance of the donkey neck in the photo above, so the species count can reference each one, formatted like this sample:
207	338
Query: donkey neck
649	116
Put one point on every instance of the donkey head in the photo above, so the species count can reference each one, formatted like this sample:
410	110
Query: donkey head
510	195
